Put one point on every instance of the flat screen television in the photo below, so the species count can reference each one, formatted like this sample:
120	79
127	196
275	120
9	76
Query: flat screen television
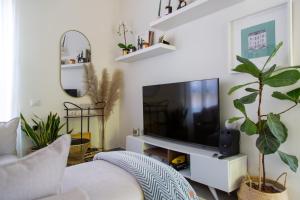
186	111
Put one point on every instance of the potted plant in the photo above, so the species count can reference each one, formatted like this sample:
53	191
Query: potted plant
42	133
269	127
123	30
126	48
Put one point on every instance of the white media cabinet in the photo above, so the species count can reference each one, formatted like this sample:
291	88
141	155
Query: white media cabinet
223	174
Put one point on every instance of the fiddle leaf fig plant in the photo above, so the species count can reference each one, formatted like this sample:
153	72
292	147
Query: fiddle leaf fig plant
268	127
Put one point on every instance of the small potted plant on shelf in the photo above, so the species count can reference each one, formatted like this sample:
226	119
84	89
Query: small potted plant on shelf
269	127
42	133
127	48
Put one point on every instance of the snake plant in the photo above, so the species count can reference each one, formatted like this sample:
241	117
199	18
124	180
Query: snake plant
42	133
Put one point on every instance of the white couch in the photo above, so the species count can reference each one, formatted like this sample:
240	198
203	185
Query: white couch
22	178
8	141
42	174
37	175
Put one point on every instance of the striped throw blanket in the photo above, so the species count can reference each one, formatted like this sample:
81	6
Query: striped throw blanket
157	180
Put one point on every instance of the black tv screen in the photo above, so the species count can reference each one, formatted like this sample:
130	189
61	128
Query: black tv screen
187	111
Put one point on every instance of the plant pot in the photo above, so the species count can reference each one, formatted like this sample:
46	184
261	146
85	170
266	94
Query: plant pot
77	151
248	193
125	52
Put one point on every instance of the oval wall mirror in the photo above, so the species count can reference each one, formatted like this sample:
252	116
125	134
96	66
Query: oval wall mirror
75	53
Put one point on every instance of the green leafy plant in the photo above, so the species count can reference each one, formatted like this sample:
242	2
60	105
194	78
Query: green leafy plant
125	47
269	127
42	133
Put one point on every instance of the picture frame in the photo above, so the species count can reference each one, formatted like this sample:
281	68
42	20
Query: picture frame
255	36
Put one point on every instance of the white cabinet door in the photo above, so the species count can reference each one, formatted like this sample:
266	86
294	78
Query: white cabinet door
237	171
134	144
210	171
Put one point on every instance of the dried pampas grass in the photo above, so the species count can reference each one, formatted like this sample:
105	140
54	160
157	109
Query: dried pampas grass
103	86
113	93
105	91
91	81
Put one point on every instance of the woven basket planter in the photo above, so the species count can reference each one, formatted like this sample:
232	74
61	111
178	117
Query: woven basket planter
77	151
248	193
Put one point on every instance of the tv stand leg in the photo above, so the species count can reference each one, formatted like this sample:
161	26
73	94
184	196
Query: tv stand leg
213	192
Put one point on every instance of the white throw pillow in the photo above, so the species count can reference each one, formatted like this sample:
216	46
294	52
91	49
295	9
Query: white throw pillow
36	175
8	136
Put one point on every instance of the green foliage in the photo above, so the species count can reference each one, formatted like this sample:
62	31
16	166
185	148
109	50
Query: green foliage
277	128
234	119
270	129
241	107
249	127
122	46
283	79
290	96
237	87
125	47
251	90
281	96
267	143
290	160
294	94
273	53
269	72
247	67
42	133
249	98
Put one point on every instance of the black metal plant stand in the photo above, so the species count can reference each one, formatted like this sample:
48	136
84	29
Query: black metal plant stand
85	113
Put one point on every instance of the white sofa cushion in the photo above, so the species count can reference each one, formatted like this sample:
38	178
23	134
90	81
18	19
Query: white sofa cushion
76	194
36	175
8	136
6	159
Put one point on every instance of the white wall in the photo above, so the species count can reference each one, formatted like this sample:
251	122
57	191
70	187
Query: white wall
41	25
203	53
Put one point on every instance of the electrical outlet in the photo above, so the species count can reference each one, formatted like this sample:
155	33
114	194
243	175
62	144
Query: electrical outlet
35	102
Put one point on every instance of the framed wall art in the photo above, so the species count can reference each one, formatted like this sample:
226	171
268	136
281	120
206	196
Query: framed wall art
255	36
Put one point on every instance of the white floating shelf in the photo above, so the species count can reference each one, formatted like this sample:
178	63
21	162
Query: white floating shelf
73	66
155	50
191	12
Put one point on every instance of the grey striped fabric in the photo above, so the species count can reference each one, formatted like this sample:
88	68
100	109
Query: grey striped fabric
157	180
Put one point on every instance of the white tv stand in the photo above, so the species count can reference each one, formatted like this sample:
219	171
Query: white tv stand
225	174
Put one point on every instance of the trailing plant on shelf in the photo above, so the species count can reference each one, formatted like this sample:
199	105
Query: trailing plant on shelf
42	133
122	32
269	127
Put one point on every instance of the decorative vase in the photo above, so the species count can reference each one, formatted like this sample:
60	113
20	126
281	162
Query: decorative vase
125	52
248	193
